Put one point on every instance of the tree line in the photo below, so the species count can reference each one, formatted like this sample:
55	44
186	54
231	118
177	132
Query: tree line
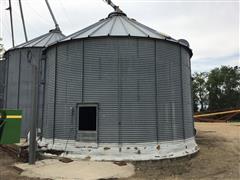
216	90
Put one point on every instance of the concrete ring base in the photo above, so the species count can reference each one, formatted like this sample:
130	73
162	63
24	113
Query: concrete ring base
127	151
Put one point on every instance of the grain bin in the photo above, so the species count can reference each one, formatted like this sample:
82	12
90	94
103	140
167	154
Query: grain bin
19	77
119	90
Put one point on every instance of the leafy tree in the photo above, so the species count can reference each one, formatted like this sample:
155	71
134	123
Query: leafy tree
200	93
223	86
195	97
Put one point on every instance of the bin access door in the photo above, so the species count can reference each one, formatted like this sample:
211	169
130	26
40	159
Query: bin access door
87	120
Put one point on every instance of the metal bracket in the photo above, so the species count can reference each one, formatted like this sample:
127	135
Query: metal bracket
116	8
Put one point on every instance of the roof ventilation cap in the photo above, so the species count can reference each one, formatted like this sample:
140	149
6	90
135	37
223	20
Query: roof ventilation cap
184	42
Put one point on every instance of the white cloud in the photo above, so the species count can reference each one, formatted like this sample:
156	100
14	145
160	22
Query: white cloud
211	27
206	64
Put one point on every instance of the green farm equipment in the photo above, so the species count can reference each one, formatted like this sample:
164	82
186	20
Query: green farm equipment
10	126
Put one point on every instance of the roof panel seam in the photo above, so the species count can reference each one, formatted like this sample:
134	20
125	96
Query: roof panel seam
124	26
31	41
40	40
150	29
115	19
83	30
49	39
102	25
130	22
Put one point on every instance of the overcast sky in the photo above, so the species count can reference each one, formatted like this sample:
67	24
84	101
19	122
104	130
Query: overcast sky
211	27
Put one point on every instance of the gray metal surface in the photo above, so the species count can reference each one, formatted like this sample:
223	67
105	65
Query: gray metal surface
43	41
169	95
2	81
19	79
187	93
140	85
19	83
49	94
12	81
118	24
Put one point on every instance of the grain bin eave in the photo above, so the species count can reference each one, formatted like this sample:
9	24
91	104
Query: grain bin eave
137	37
19	49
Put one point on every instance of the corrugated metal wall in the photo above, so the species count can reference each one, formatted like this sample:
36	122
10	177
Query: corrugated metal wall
19	83
137	90
187	93
139	84
14	61
169	93
49	94
101	85
2	82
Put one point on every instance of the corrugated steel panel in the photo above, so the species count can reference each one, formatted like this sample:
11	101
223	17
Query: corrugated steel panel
49	94
6	80
69	88
137	84
13	80
137	90
169	91
26	85
19	83
2	81
101	85
187	94
19	76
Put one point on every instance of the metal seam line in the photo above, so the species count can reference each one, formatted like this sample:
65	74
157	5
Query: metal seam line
83	54
6	81
55	94
115	19
183	108
43	97
75	35
19	79
119	98
137	28
156	92
125	29
101	26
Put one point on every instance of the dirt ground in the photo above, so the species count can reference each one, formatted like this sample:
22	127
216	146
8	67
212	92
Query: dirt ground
219	158
7	171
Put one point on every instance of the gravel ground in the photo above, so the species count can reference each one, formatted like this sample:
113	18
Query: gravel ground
219	158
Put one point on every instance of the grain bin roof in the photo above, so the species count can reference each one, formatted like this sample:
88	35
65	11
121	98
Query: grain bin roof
44	40
117	24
